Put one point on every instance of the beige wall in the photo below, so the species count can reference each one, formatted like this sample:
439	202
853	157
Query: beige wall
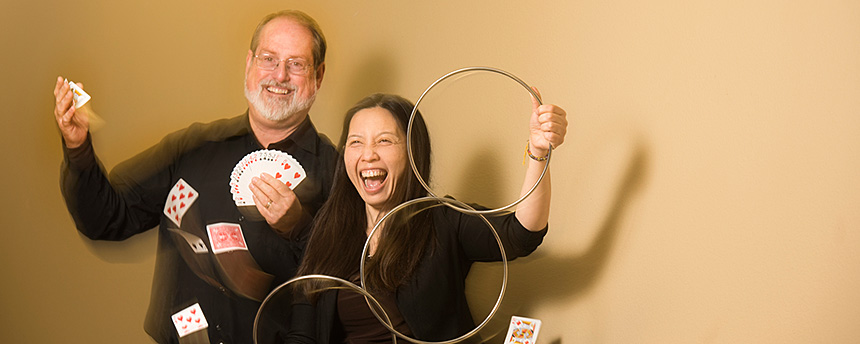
707	192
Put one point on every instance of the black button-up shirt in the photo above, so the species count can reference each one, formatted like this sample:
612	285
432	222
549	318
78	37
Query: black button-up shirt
131	201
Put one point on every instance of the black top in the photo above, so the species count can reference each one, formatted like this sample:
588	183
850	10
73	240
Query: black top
433	302
203	155
356	324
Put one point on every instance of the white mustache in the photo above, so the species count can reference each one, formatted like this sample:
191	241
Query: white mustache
277	109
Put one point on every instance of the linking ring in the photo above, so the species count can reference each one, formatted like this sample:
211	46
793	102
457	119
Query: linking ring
412	159
449	202
268	204
371	301
274	294
445	201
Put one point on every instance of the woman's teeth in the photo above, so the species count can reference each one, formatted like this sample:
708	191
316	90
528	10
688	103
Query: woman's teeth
373	173
373	178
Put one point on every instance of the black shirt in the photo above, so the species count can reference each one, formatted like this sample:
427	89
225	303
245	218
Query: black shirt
433	301
131	201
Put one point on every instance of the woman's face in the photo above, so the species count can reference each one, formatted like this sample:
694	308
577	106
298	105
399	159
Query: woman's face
375	156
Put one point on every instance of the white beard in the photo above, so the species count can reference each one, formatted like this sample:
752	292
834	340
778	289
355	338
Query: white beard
275	109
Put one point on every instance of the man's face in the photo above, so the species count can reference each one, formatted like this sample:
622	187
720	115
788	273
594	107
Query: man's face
278	95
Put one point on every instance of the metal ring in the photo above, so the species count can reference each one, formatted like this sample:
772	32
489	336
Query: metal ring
445	201
367	296
412	159
452	203
269	204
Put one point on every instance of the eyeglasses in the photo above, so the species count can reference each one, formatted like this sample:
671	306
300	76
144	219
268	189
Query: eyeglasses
295	65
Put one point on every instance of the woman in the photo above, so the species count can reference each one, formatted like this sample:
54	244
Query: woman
418	262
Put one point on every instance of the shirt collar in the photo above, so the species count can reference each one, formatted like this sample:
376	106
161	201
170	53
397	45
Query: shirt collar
305	136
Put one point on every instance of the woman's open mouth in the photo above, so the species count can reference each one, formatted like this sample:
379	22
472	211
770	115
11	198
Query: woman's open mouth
373	179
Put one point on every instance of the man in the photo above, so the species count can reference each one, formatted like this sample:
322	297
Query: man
283	71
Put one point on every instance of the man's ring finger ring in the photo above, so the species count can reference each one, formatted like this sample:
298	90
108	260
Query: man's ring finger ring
268	204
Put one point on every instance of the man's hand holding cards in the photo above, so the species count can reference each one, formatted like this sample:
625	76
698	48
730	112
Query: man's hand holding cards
74	128
262	184
73	112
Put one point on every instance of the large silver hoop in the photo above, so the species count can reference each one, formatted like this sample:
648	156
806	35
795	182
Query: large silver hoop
367	296
446	201
412	159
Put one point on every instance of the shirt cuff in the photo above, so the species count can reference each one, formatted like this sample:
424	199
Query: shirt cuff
527	237
81	157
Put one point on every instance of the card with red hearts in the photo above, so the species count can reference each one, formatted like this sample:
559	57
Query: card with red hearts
189	320
178	201
225	237
522	331
278	164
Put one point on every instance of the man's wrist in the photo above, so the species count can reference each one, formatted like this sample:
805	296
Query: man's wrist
81	156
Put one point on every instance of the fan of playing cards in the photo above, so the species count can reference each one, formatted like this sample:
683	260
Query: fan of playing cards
280	165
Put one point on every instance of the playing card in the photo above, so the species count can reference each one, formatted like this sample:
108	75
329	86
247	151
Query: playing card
189	320
522	331
278	164
193	241
225	237
79	97
288	171
241	178
178	201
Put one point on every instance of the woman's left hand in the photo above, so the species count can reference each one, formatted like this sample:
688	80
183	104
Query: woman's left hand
547	127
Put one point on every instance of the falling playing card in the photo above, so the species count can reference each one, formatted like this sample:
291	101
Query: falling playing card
522	331
179	199
193	241
225	237
189	320
278	164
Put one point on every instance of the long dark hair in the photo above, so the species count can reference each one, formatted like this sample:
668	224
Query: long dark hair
339	229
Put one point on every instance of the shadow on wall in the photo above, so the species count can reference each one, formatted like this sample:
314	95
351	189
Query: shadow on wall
551	279
486	186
